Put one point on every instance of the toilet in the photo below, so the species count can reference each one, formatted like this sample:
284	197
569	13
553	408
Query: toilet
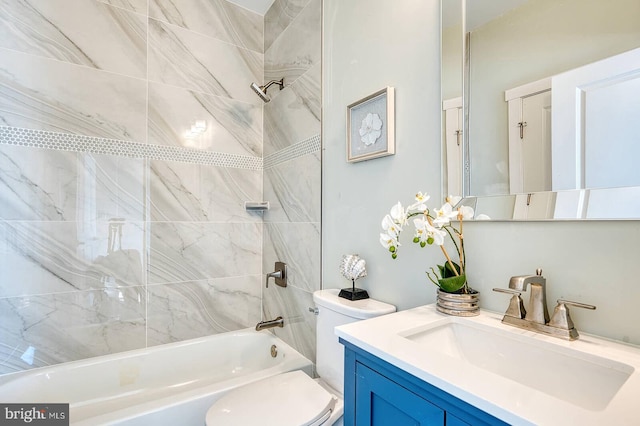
294	398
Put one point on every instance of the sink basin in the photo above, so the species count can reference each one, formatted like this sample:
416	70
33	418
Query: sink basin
577	377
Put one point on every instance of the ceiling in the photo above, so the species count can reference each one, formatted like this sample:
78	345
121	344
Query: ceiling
258	6
479	12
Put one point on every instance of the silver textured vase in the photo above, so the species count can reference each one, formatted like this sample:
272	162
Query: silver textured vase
462	305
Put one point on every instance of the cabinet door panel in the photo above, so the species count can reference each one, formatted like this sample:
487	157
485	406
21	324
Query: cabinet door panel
380	401
454	421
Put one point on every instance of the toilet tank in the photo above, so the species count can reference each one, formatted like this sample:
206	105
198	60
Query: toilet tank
332	312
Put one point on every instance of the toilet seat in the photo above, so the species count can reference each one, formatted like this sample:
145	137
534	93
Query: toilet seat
286	399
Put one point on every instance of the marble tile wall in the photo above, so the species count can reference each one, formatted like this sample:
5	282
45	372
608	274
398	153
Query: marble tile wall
297	48
292	182
106	246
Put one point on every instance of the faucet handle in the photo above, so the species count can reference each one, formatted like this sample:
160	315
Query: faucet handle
516	306
507	290
279	275
276	274
576	304
561	317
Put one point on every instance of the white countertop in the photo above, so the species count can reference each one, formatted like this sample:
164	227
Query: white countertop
501	397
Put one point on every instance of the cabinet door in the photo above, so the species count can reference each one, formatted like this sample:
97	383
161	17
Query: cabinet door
380	401
454	421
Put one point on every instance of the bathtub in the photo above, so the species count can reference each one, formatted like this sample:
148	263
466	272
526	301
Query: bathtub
164	385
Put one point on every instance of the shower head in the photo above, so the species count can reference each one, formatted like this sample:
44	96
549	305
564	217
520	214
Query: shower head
262	90
259	92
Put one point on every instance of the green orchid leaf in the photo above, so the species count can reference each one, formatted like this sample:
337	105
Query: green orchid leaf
452	284
447	271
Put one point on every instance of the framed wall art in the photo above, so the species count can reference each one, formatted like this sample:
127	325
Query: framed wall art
371	127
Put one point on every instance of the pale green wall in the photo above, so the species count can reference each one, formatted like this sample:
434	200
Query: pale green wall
452	62
397	44
369	45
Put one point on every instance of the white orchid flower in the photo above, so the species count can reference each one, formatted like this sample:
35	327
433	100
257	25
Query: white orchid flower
432	227
388	241
466	212
422	197
424	231
482	216
398	214
438	235
453	199
444	215
421	229
419	205
390	226
429	231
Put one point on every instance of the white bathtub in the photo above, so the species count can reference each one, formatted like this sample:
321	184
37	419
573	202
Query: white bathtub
164	385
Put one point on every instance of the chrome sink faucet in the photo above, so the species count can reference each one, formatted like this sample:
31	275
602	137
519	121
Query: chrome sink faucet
537	310
536	316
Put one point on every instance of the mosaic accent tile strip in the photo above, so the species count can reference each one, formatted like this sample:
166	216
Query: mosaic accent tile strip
296	150
79	143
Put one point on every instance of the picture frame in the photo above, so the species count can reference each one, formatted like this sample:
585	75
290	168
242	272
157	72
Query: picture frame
371	126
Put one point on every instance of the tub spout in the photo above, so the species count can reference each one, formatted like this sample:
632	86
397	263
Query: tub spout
262	325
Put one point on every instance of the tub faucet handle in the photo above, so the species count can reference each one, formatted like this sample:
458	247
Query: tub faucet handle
279	275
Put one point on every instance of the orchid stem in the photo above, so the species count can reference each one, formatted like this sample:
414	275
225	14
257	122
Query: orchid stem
444	251
431	279
461	250
460	236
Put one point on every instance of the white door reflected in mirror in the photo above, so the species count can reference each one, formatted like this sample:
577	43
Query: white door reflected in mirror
596	143
529	123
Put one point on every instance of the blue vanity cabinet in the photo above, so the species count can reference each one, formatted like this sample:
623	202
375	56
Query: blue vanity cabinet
378	393
382	401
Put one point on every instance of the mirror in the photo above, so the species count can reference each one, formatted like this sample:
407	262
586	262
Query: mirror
533	69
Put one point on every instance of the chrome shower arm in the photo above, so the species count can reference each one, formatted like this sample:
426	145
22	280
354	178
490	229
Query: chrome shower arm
278	82
262	90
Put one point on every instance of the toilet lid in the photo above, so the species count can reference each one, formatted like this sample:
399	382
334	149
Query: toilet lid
286	399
